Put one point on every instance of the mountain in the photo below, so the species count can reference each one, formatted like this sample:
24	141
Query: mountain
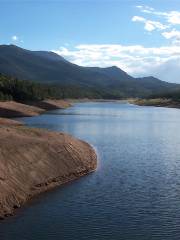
49	55
50	68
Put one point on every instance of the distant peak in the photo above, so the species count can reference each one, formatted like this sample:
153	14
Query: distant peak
150	77
9	45
50	55
12	45
113	67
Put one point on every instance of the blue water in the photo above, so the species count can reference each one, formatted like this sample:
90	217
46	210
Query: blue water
135	192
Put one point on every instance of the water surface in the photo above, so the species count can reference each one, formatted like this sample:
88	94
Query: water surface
133	195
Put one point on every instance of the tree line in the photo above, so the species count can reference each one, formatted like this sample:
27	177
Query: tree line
23	90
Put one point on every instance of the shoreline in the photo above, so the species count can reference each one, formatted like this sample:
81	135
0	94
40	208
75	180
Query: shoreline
26	144
12	109
156	102
33	161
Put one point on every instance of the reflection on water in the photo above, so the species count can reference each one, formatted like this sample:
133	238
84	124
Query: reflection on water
135	192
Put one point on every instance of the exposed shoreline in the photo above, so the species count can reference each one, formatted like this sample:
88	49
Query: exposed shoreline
33	161
156	102
12	109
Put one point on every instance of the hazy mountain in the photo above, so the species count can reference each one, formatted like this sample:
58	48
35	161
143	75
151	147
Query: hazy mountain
48	67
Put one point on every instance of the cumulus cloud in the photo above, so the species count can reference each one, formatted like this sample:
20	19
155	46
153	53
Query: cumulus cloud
138	19
134	59
150	25
172	17
15	38
162	62
146	9
173	34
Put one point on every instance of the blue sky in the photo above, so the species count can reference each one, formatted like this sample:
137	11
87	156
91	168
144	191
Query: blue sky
141	37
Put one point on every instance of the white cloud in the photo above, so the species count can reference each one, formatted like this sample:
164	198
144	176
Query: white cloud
146	9
134	59
138	19
15	38
162	62
172	34
150	25
172	17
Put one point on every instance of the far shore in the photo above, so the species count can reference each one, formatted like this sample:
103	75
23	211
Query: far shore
156	102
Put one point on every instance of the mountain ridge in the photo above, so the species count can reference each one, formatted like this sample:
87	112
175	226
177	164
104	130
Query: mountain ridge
50	68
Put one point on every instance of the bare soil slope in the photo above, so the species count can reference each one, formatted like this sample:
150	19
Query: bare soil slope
10	109
10	122
33	161
14	109
51	104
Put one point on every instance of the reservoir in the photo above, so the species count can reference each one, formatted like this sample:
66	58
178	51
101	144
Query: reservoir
133	195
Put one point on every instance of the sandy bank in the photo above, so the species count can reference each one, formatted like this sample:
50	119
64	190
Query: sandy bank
33	161
12	109
10	122
50	104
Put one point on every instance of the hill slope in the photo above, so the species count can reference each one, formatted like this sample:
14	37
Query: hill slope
50	68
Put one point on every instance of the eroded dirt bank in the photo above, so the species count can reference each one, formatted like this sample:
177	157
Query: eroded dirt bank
33	161
10	122
10	109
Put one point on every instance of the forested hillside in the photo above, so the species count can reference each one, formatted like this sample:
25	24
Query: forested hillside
18	90
22	90
174	95
71	80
